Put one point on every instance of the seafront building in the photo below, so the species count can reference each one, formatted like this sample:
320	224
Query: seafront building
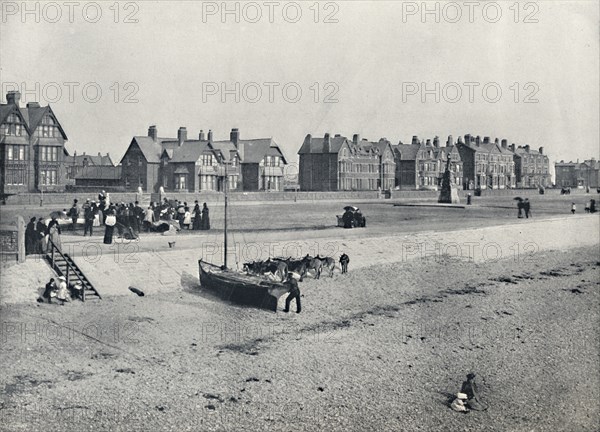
487	164
32	148
578	174
339	164
532	167
197	165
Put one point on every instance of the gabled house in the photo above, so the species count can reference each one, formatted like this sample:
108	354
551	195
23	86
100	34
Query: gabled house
80	163
32	147
421	164
578	174
486	164
196	165
338	164
532	167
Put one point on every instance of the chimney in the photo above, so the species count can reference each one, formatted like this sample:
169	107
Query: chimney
337	135
234	136
436	142
84	153
415	140
428	143
468	139
99	155
153	133
486	140
13	97
356	138
504	144
497	141
210	135
33	104
460	140
326	143
541	150
181	135
512	147
450	141
478	141
526	148
201	136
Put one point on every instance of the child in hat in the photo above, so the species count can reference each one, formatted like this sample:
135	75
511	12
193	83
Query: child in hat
62	294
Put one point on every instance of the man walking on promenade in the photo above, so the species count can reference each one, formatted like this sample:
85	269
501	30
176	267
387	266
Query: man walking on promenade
527	207
74	213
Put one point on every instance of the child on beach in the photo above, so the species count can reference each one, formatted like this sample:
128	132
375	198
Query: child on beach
573	208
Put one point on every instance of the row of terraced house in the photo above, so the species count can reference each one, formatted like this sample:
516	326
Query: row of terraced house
339	163
34	159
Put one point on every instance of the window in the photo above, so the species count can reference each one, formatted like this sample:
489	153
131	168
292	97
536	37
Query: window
48	176
207	159
48	126
139	161
180	181
15	175
49	154
16	152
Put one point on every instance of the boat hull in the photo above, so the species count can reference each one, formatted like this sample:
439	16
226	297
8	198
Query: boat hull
241	289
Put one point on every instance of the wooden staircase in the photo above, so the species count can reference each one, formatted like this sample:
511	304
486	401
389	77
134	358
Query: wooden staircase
65	266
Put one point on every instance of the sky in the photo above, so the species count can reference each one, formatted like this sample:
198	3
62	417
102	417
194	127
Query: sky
527	72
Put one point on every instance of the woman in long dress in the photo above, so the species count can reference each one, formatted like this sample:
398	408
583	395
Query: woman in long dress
205	218
197	217
54	234
30	237
109	222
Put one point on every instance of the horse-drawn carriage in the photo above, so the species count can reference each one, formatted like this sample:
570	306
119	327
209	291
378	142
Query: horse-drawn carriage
357	218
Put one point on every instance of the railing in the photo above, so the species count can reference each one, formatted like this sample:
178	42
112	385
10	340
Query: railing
69	267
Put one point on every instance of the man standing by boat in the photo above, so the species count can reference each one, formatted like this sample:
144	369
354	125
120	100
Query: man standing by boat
294	293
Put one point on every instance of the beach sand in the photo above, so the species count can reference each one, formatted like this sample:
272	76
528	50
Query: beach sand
381	348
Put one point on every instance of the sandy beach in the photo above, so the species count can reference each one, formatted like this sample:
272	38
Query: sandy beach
382	348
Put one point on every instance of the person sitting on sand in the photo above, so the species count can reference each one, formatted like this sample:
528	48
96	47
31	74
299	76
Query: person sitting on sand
47	295
469	387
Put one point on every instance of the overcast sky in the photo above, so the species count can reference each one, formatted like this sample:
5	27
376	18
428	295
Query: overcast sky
372	65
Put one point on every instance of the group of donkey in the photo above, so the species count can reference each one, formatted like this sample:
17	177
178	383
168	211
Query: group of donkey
279	267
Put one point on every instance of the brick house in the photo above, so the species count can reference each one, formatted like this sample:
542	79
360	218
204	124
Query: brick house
486	164
196	165
532	167
338	164
576	174
421	164
32	148
79	163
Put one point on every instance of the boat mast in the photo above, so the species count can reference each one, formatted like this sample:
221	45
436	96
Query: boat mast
225	187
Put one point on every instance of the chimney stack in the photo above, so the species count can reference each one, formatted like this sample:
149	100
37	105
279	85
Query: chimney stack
497	141
13	97
460	140
327	143
450	141
527	148
201	136
415	140
468	139
356	138
99	155
512	147
436	142
428	143
33	104
504	144
234	136
210	136
181	135
153	133
486	140
541	150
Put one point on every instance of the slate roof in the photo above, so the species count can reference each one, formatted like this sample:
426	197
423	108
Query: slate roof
97	160
254	151
190	151
317	145
408	151
32	116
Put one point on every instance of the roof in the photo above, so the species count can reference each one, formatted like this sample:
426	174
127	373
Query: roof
100	172
407	151
32	116
254	151
150	149
190	151
317	145
98	160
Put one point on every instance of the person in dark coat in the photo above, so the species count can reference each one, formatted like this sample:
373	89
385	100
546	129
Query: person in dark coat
89	214
294	293
139	213
31	237
197	216
527	207
520	208
344	261
40	228
74	214
347	218
469	387
54	232
205	217
358	219
109	222
50	286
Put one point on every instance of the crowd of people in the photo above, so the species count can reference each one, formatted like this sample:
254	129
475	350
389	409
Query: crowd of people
128	219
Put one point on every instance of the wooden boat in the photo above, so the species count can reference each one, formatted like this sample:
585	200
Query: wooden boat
237	287
241	288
